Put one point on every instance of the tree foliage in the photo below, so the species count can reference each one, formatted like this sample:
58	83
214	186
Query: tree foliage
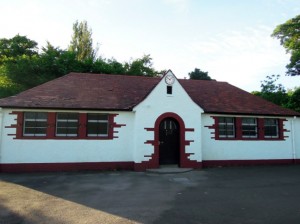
141	66
23	66
272	91
17	46
276	93
200	75
82	42
289	35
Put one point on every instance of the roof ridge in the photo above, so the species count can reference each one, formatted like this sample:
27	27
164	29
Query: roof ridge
122	75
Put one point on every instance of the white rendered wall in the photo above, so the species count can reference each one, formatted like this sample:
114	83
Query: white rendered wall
296	127
157	103
246	150
1	132
58	151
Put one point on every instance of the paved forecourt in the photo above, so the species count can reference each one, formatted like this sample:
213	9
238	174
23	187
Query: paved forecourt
254	195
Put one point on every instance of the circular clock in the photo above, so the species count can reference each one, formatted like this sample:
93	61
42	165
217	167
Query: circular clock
169	79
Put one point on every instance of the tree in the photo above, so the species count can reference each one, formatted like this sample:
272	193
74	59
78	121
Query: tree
82	42
289	35
17	46
14	54
273	92
294	102
141	66
200	75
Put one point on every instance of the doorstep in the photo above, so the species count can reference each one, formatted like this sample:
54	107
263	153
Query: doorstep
169	169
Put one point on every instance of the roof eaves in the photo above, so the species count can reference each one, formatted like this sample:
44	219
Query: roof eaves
64	108
252	114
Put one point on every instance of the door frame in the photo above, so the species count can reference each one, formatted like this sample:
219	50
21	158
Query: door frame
153	161
175	137
182	141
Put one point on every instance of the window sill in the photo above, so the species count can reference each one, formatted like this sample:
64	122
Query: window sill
250	139
63	138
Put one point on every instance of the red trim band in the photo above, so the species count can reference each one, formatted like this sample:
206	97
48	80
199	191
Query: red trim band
55	167
216	163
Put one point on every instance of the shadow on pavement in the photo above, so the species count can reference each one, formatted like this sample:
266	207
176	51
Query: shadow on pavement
218	195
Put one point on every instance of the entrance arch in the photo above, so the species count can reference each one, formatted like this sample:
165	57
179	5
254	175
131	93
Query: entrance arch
180	137
184	160
169	142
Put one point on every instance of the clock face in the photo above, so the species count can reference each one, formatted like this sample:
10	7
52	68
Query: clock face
169	79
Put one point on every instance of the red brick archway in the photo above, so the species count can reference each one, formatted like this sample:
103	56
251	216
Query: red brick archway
184	162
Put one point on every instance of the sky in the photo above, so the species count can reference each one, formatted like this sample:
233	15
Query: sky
230	39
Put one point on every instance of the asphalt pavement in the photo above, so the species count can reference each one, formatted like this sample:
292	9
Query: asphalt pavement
235	195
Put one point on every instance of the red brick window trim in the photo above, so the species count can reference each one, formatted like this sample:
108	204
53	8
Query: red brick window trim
68	125
248	128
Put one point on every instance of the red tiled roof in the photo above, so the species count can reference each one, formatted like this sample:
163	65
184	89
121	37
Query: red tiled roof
221	97
120	92
85	91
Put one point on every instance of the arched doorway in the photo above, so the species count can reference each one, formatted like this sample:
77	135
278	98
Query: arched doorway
169	142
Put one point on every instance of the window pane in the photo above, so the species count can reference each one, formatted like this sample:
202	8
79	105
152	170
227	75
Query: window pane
97	125
72	124
72	131
248	120
41	124
103	128
226	127
61	116
67	124
271	128
92	128
30	123
29	115
249	127
61	124
35	124
40	131
73	116
35	131
42	116
103	117
61	131
29	131
97	129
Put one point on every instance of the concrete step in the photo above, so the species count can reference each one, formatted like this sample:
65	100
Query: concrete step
169	169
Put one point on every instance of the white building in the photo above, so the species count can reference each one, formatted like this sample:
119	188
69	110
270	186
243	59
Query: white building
98	122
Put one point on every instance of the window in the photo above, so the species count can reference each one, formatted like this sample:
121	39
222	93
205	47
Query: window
169	90
271	129
35	124
249	127
97	125
226	127
67	124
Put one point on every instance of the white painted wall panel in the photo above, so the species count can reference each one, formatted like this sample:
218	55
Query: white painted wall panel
243	149
296	136
157	103
51	150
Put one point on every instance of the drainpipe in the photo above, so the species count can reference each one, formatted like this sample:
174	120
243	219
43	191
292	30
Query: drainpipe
293	138
1	121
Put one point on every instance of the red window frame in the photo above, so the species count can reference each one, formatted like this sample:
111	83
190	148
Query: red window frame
51	127
239	129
